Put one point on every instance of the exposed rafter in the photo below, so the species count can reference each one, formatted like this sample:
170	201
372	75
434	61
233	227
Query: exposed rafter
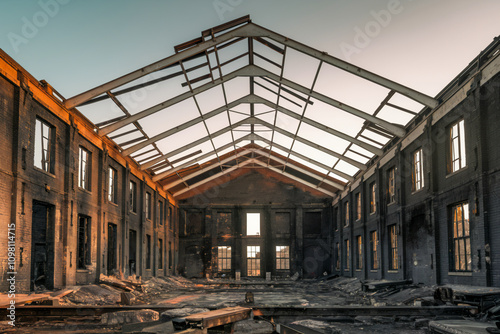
259	60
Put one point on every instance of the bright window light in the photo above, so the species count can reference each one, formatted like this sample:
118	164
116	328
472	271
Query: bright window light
253	223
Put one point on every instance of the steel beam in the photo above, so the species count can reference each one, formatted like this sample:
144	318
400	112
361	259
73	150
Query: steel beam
258	31
156	66
165	104
303	171
255	71
207	168
193	161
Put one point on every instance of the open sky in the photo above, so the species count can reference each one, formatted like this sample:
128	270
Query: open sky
76	45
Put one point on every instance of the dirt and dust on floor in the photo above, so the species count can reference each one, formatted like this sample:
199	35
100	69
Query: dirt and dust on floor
330	304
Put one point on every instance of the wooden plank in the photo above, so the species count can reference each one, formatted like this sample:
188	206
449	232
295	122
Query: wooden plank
218	317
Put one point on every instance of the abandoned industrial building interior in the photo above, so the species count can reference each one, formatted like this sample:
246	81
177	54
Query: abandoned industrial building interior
256	176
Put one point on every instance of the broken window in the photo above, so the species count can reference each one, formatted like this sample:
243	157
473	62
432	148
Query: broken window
347	251
346	218
253	260
44	146
282	257
160	254
224	258
391	194
461	249
358	206
373	204
393	252
359	252
112	185
83	242
133	196
253	223
417	172
457	159
147	205
374	250
148	251
84	177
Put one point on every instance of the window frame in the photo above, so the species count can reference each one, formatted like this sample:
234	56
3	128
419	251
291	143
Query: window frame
253	263
346	213
84	182
147	205
393	247
160	253
456	239
282	262
224	258
459	155
132	196
112	185
148	252
84	252
337	265
347	253
374	263
391	185
373	196
44	146
358	206
359	252
417	176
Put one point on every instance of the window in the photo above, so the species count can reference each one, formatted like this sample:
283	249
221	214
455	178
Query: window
147	205
394	260
170	262
374	250
160	212
148	251
83	242
373	205
391	195
253	223
160	254
461	238
133	196
84	177
112	186
44	146
358	206
346	211
337	265
456	149
170	218
336	217
417	172
253	260
224	258
347	260
359	252
282	258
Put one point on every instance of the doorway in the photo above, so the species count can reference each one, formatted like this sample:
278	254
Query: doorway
112	248
42	246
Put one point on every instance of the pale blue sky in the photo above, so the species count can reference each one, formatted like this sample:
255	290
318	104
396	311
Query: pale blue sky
80	44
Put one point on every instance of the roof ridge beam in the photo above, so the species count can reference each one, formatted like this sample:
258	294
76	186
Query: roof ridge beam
259	31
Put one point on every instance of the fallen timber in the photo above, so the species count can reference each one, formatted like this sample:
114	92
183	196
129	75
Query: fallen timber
42	311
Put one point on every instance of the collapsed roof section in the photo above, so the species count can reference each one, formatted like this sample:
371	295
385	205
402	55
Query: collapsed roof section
243	96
